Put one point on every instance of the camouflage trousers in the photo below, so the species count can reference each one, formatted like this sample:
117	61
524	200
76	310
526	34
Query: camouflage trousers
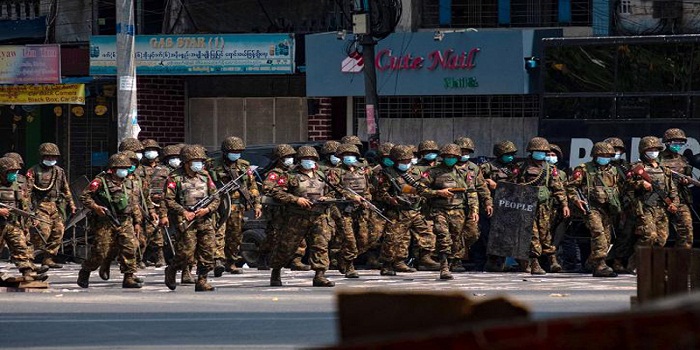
354	233
313	228
335	220
682	222
397	235
599	223
541	241
230	236
14	236
623	243
52	232
110	243
154	235
196	244
276	221
652	226
377	228
449	229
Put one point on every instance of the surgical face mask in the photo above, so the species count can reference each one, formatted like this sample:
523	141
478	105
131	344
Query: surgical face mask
387	162
651	154
49	162
551	159
122	173
430	157
139	155
233	156
289	161
308	164
675	147
334	160
603	160
132	169
349	160
539	155
197	166
414	161
464	158
507	158
12	177
403	166
617	156
174	162
450	161
151	155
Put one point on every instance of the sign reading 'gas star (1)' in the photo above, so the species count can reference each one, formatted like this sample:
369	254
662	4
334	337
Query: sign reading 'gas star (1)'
447	59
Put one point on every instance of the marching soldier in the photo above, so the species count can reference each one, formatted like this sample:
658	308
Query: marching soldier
376	223
171	157
623	244
117	214
328	161
50	196
554	157
354	140
132	144
156	176
595	189
673	159
228	168
383	153
186	187
328	157
26	191
655	196
428	153
452	202
305	219
535	171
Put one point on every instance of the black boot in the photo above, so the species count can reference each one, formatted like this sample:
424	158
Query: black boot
426	263
83	278
276	278
350	271
602	269
445	268
320	280
130	281
457	266
202	285
402	267
218	268
387	269
170	275
554	266
104	270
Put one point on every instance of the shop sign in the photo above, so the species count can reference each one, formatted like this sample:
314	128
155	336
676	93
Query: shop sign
43	94
30	64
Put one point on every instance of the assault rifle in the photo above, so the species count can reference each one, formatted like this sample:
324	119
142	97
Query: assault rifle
639	170
369	204
690	179
23	213
582	199
267	200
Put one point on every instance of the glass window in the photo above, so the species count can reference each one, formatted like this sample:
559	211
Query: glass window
580	69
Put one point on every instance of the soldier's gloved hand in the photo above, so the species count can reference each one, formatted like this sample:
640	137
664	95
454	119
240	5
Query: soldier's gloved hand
491	184
201	212
4	212
258	213
672	209
189	216
164	221
445	193
489	211
475	217
565	212
646	185
100	211
154	217
304	203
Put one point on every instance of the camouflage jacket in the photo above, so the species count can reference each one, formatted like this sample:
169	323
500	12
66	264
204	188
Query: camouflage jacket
111	192
225	171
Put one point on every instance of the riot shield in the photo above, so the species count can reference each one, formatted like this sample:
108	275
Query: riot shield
511	224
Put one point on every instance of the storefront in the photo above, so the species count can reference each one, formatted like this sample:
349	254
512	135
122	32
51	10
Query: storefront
437	85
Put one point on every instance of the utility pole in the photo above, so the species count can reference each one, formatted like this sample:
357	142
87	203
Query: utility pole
361	21
127	121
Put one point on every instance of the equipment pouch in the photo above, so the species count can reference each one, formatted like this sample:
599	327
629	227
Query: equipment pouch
614	201
543	193
120	202
600	194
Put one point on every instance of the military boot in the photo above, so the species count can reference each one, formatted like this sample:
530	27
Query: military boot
104	270
170	275
233	269
202	285
342	266
40	269
494	264
48	261
535	267
130	281
29	275
276	278
262	263
139	279
554	266
457	266
350	271
445	268
387	269
83	278
372	261
619	268
218	268
160	258
602	269
298	265
186	276
401	266
426	263
524	265
320	280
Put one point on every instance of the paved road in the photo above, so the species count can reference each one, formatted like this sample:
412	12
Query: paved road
245	312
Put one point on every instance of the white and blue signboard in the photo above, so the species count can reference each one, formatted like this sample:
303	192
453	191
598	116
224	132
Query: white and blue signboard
199	54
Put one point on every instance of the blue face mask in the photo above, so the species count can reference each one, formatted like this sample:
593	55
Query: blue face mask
464	158
308	164
334	160
387	162
132	169
675	148
430	157
551	159
450	161
122	173
349	160
507	158
602	160
403	167
233	156
539	155
197	166
12	177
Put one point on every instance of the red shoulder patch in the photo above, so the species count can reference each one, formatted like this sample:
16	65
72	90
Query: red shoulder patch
272	177
281	181
425	175
172	185
516	171
555	172
629	174
94	185
30	174
576	175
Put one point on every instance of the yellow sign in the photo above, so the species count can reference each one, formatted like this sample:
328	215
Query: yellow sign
43	94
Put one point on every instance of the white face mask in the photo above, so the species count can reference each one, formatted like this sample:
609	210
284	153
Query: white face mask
197	166
151	155
174	162
414	161
139	155
288	161
617	156
652	154
49	162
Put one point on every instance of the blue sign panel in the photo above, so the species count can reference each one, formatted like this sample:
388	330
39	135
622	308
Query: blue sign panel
196	54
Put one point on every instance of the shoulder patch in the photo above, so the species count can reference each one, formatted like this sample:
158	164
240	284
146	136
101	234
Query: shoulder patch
425	174
272	177
555	172
30	174
516	171
94	185
281	181
172	185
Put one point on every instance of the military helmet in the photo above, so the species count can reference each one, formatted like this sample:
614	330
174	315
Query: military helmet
8	164
119	160
150	143
193	152
171	150
428	146
401	152
15	156
616	142
385	149
130	144
602	148
130	155
413	148
465	143
538	144
351	139
556	149
347	148
49	149
307	151
648	142
232	143
284	150
504	147
330	147
451	149
674	134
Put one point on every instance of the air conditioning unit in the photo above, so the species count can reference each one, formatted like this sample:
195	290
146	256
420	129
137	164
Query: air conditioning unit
667	9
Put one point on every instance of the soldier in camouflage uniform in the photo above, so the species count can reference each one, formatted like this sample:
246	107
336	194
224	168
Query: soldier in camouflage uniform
132	144
428	151
305	219
186	186
277	178
108	192
452	203
230	235
328	161
156	175
405	212
376	223
672	158
625	223
654	200
50	197
11	226
535	171
599	182
555	215
135	146
26	190
503	168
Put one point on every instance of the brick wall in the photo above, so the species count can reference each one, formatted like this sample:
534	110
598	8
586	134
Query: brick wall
161	109
320	124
